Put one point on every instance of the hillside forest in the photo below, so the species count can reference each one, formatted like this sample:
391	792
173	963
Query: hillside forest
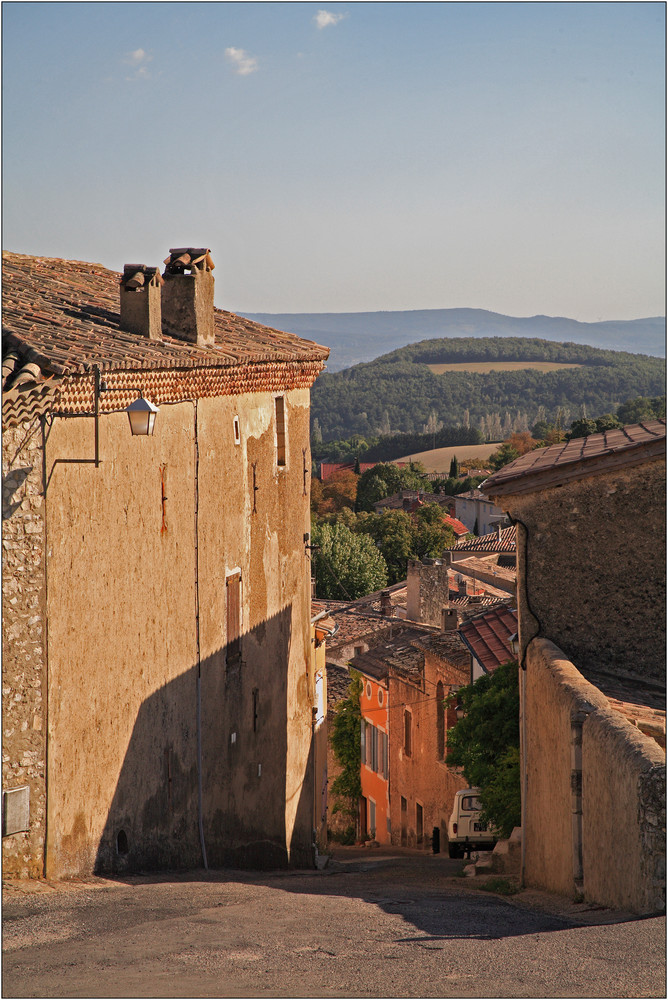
399	393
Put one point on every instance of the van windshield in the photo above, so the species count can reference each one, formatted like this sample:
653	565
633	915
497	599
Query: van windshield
471	803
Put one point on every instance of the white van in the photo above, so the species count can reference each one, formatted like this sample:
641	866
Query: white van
466	831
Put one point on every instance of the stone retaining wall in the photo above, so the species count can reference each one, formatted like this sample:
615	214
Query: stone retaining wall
621	829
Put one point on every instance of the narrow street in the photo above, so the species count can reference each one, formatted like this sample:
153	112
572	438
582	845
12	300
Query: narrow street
370	924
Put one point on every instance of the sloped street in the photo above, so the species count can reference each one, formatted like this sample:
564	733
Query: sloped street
370	924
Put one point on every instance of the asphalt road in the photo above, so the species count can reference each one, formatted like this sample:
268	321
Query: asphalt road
366	926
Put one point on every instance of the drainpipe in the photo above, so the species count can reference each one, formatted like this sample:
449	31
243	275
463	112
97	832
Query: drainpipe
200	818
577	720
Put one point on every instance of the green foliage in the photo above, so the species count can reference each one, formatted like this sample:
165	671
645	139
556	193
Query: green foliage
398	390
485	744
345	742
642	408
454	468
347	565
450	487
400	536
502	886
384	480
503	455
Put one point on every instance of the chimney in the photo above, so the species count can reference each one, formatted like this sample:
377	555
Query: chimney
187	299
386	607
498	531
448	619
140	301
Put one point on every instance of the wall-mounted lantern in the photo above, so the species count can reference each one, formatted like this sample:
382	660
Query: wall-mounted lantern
141	414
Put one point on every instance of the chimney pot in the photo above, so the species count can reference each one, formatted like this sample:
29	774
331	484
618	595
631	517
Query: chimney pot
386	607
187	299
140	301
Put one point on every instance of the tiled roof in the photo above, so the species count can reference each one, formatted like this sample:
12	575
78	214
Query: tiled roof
559	463
405	653
487	636
505	542
468	606
66	314
457	526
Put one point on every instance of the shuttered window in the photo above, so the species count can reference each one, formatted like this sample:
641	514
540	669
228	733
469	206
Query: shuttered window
280	430
233	587
407	733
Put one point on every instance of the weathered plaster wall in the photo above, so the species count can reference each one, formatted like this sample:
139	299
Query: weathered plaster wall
624	821
596	556
122	646
23	641
258	777
423	777
623	791
373	705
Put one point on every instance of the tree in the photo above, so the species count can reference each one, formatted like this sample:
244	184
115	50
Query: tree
345	741
503	455
582	428
485	744
316	433
641	408
454	468
335	493
607	422
385	479
347	565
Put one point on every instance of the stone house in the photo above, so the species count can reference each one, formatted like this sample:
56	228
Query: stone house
158	681
590	517
407	789
476	510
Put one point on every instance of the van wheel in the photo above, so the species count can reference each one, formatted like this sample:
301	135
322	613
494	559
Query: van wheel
455	851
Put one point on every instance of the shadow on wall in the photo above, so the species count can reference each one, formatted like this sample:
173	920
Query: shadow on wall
153	820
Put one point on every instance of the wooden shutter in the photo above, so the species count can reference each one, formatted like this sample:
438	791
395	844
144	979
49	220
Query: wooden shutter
233	617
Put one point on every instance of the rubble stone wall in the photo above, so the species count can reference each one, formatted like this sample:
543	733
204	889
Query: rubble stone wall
23	648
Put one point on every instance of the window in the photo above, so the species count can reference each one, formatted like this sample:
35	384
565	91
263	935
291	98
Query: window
233	586
279	402
374	749
237	431
407	732
470	803
440	722
419	822
359	650
380	696
372	817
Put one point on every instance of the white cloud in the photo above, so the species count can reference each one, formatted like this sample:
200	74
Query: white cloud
325	19
139	60
242	63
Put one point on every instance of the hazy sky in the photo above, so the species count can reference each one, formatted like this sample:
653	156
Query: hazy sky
348	157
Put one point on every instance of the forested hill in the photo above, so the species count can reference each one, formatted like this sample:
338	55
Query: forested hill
357	337
398	392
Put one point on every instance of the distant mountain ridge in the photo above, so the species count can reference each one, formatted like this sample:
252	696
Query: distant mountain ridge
363	336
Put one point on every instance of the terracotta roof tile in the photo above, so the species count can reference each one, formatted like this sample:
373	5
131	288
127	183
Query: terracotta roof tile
66	315
559	463
489	543
487	636
457	526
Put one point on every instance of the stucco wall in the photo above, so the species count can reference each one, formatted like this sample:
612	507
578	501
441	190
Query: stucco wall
623	791
23	641
596	557
423	777
138	553
122	645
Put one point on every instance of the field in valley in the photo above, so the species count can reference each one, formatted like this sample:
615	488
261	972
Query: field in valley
439	459
483	367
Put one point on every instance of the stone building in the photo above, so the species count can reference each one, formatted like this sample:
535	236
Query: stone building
158	682
590	517
407	789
